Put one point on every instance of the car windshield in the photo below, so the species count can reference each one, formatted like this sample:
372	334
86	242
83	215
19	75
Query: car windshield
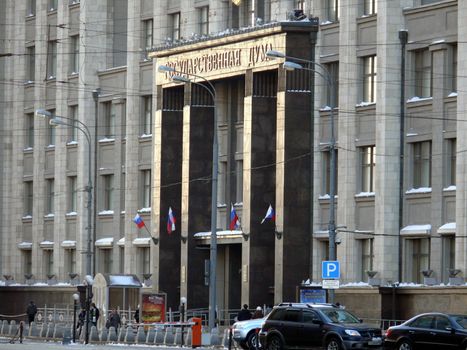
340	316
461	320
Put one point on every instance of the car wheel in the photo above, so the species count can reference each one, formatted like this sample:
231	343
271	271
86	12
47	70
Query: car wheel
275	343
252	341
404	345
333	344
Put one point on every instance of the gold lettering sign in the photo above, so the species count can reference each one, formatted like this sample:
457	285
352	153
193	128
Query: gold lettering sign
237	2
225	60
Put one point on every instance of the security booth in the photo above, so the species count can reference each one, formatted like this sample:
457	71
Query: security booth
120	292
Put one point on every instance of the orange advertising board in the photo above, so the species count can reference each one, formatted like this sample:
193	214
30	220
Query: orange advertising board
153	309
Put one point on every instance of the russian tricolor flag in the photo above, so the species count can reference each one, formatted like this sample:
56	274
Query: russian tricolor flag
170	221
234	220
138	220
270	214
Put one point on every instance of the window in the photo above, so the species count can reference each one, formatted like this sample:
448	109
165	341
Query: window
442	323
148	39
367	164
51	131
70	260
147	115
370	7
175	25
31	60
299	5
239	182
74	61
453	67
30	130
50	192
48	262
73	131
333	69
310	316
121	265
110	120
28	198
423	73
421	155
72	2
422	322
52	60
449	255
332	7
52	5
146	189
72	194
327	172
106	260
203	15
27	261
452	162
367	255
418	252
108	182
31	8
144	260
122	191
369	79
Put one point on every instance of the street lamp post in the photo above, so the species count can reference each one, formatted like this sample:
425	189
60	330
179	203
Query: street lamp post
77	124
326	75
215	166
75	303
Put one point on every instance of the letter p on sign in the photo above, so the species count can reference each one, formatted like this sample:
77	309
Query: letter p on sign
330	270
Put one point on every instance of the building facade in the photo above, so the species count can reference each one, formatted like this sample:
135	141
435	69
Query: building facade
400	205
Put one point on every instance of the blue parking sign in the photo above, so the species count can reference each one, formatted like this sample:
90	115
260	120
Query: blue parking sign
330	270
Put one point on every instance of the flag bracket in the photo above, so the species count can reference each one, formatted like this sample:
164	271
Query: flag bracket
155	240
245	236
278	234
183	238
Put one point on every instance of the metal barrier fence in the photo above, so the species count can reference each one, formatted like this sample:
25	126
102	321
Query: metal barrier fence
225	318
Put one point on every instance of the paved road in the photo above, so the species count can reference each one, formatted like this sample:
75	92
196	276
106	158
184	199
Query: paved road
38	345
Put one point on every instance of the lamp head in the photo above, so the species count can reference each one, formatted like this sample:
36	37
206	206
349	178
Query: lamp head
76	296
291	66
180	79
274	54
56	121
165	69
183	300
43	113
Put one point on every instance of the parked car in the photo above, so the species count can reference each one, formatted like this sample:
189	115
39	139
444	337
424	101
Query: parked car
245	333
297	325
429	331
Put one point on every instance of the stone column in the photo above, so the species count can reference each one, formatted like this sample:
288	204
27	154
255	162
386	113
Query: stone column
345	126
461	179
386	245
438	155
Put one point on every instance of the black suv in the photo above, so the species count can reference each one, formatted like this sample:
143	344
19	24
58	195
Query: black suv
296	325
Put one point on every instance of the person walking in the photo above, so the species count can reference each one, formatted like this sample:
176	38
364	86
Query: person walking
244	314
81	321
136	316
258	313
94	313
114	320
31	311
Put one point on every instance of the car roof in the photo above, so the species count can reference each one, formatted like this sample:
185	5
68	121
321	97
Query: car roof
307	305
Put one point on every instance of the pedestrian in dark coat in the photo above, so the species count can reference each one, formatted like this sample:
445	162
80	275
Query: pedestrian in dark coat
94	313
244	314
114	320
137	314
31	311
